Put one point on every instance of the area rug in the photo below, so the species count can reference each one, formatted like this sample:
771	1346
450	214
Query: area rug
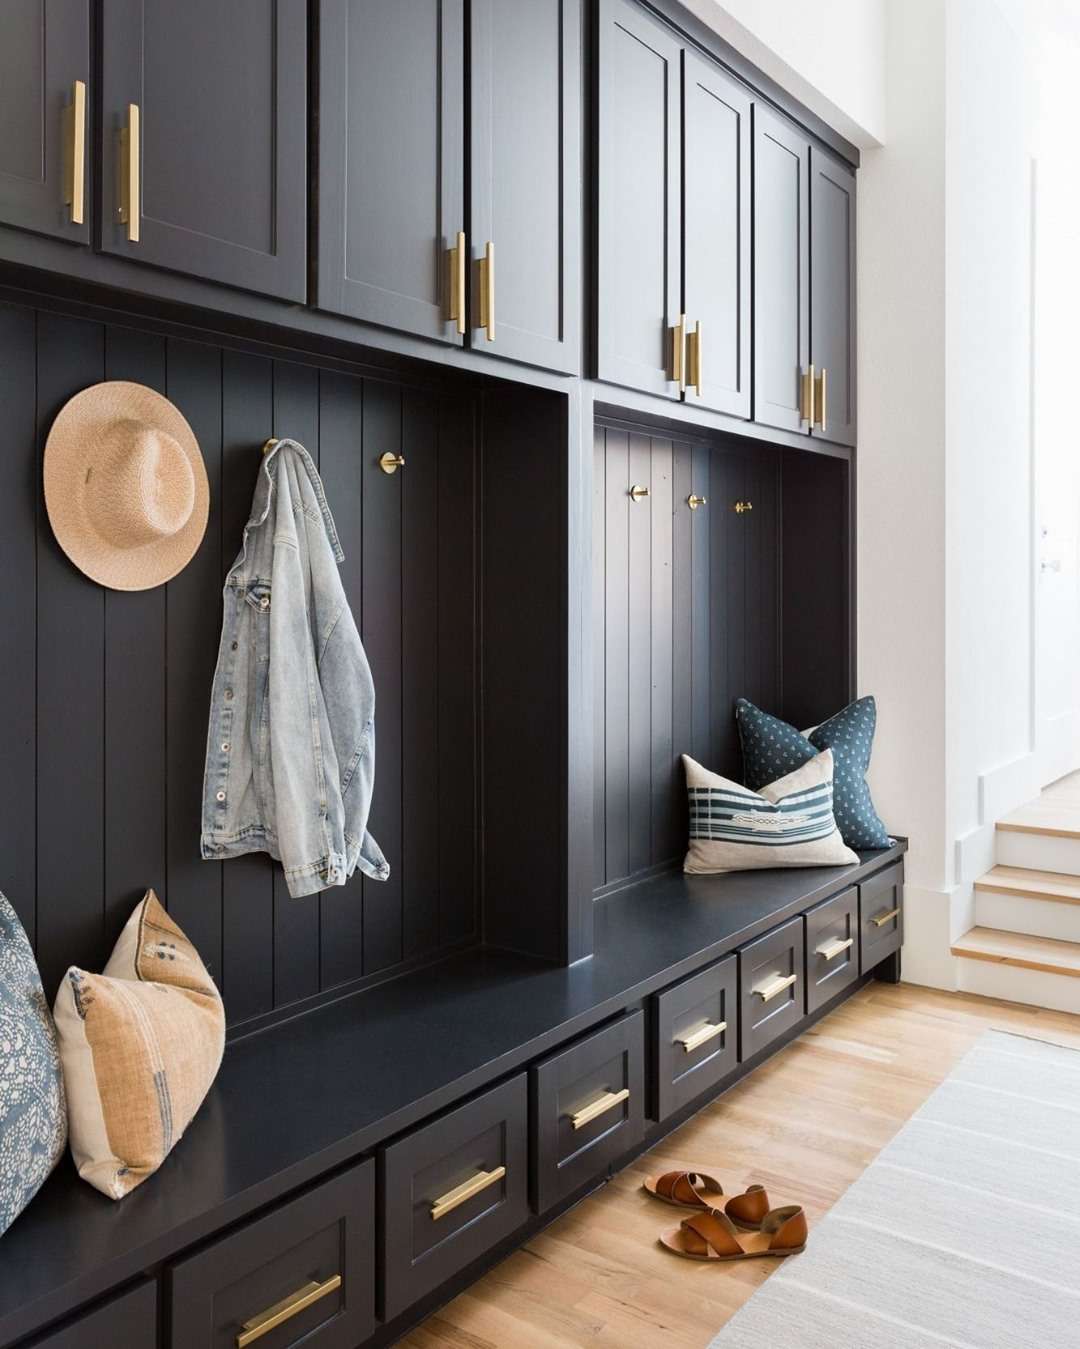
964	1231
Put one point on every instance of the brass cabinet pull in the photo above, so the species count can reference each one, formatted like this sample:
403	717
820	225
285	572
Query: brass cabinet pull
457	1196
678	352
457	281
284	1310
701	1036
637	492
600	1106
75	152
769	991
129	208
820	391
882	918
487	291
828	950
693	357
694	501
806	396
391	462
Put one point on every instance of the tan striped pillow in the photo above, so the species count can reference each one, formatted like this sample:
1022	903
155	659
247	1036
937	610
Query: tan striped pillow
140	1046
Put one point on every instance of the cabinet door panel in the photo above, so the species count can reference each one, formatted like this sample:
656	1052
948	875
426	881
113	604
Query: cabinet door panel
391	149
639	210
45	48
222	94
832	291
781	270
525	93
716	232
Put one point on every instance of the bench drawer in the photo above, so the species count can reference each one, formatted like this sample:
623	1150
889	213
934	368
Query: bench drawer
451	1190
696	1035
772	993
129	1320
304	1273
588	1108
832	947
881	916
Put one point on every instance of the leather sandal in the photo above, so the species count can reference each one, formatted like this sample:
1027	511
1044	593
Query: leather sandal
690	1189
712	1235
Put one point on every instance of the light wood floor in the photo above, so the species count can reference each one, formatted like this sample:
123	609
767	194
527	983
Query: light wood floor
805	1125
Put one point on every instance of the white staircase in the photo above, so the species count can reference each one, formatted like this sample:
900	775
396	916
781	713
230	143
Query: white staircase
1025	945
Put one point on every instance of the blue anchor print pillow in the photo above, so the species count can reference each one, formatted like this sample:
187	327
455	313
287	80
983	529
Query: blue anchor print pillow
771	748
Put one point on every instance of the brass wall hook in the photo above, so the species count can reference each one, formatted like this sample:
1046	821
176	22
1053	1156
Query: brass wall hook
269	445
694	501
391	462
741	507
637	492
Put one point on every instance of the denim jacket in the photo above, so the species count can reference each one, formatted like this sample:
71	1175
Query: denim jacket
290	752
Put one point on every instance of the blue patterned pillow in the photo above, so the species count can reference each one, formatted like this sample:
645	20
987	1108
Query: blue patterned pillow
772	748
33	1113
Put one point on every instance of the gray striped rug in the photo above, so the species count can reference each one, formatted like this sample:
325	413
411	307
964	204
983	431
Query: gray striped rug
964	1231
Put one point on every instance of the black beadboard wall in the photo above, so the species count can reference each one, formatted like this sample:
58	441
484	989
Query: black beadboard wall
105	695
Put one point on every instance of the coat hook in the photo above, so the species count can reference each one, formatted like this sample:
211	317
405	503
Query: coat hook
741	507
637	492
390	462
694	501
269	445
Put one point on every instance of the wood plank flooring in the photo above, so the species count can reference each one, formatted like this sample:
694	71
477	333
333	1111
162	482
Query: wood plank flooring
805	1125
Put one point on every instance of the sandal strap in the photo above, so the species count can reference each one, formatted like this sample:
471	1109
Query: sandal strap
681	1187
787	1228
749	1207
713	1228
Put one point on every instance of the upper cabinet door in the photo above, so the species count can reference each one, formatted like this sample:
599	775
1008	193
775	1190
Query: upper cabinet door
832	296
716	237
391	150
204	139
781	271
44	114
525	103
639	285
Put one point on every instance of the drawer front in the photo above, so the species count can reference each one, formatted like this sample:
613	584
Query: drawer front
772	992
832	947
129	1320
451	1190
588	1108
881	916
304	1273
696	1036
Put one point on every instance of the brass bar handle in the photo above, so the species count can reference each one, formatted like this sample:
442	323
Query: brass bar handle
487	291
75	153
694	501
701	1036
820	393
769	991
879	920
637	492
678	352
458	254
284	1310
452	1199
830	949
806	396
693	357
128	211
600	1106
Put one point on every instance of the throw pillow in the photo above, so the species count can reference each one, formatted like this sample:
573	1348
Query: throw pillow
33	1120
789	823
141	1045
771	747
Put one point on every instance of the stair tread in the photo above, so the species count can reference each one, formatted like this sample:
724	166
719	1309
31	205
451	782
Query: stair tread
1053	816
1017	948
1026	881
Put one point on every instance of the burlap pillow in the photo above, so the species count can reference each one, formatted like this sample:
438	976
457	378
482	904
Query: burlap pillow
140	1045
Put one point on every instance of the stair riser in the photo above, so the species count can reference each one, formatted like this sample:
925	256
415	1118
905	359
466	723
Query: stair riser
1040	852
1035	917
1034	988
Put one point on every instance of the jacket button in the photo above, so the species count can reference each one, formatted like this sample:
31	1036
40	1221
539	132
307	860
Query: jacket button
233	646
228	695
221	796
264	603
225	747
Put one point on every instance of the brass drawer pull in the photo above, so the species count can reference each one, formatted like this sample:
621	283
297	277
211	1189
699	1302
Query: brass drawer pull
487	291
75	152
769	991
834	947
457	282
284	1310
701	1036
130	205
601	1106
452	1199
882	918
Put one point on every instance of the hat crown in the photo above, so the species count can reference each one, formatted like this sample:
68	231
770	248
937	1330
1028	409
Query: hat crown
139	487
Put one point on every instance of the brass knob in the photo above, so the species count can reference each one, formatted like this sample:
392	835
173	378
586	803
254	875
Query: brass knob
741	507
637	492
390	462
694	501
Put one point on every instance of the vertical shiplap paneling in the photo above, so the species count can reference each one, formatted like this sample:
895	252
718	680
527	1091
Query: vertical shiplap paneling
247	412
341	426
701	616
639	647
681	626
616	656
381	633
192	633
71	695
420	704
18	613
134	695
296	921
599	627
765	641
666	774
731	657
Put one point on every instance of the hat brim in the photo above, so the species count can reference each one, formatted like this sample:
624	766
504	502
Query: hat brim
79	426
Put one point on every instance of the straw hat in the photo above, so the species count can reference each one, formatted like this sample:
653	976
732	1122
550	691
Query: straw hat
125	486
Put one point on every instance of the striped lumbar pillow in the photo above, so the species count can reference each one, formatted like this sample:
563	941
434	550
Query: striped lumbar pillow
789	823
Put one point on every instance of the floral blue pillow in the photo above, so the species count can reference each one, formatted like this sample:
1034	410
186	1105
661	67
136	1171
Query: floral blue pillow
771	748
33	1112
